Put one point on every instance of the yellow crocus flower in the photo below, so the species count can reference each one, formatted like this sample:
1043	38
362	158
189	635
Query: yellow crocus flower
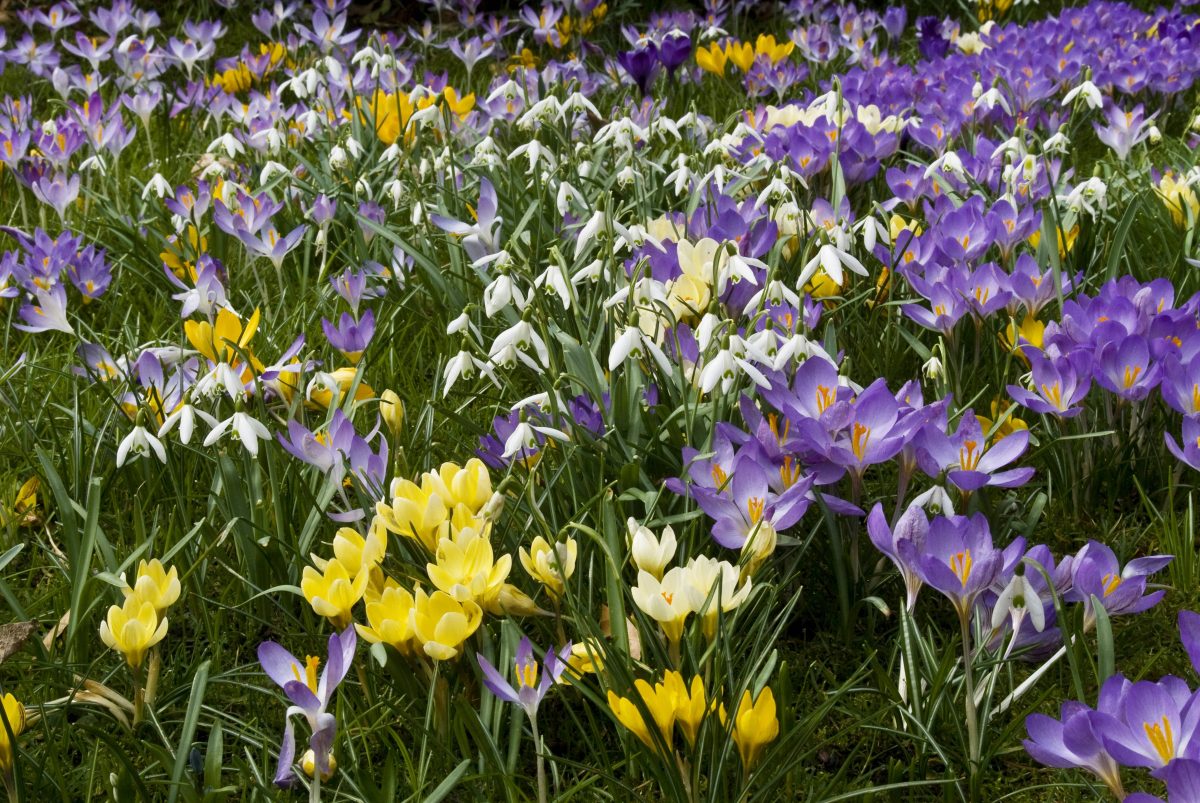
741	54
391	618
416	512
550	565
690	705
460	105
469	485
14	712
1008	427
711	59
334	593
1031	331
133	628
765	45
355	552
155	585
511	601
217	342
465	568
442	623
659	700
587	657
343	378
1179	198
755	725
391	410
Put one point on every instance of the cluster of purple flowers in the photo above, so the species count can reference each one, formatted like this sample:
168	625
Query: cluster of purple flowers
39	274
1150	724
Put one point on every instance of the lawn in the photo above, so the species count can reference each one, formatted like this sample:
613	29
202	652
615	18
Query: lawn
585	401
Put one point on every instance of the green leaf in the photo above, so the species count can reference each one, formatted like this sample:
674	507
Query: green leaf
190	720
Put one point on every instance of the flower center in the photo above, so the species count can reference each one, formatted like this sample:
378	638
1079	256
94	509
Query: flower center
1161	738
960	564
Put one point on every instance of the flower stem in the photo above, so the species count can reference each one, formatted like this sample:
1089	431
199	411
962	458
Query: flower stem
543	789
314	788
964	621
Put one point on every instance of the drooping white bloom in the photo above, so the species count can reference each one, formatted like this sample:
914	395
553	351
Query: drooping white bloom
242	427
140	443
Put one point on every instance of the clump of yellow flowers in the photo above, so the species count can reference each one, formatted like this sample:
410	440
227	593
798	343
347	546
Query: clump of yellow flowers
673	702
135	627
742	54
448	515
140	622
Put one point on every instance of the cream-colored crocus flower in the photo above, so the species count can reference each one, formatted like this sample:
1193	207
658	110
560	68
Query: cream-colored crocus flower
667	602
715	587
649	553
689	294
550	565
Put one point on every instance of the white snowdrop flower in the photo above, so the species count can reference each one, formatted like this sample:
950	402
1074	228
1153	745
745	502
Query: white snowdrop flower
228	143
1090	93
947	163
555	278
1056	144
362	188
185	417
499	294
157	185
242	427
459	324
524	439
394	190
831	259
354	148
337	157
95	164
140	443
933	368
271	169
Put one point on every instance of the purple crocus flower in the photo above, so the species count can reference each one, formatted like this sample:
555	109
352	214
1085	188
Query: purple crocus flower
745	508
968	460
57	191
1124	129
1154	724
481	238
309	696
271	245
902	544
1124	368
875	431
47	312
1070	741
1097	573
641	64
1058	384
959	559
530	689
674	50
349	336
